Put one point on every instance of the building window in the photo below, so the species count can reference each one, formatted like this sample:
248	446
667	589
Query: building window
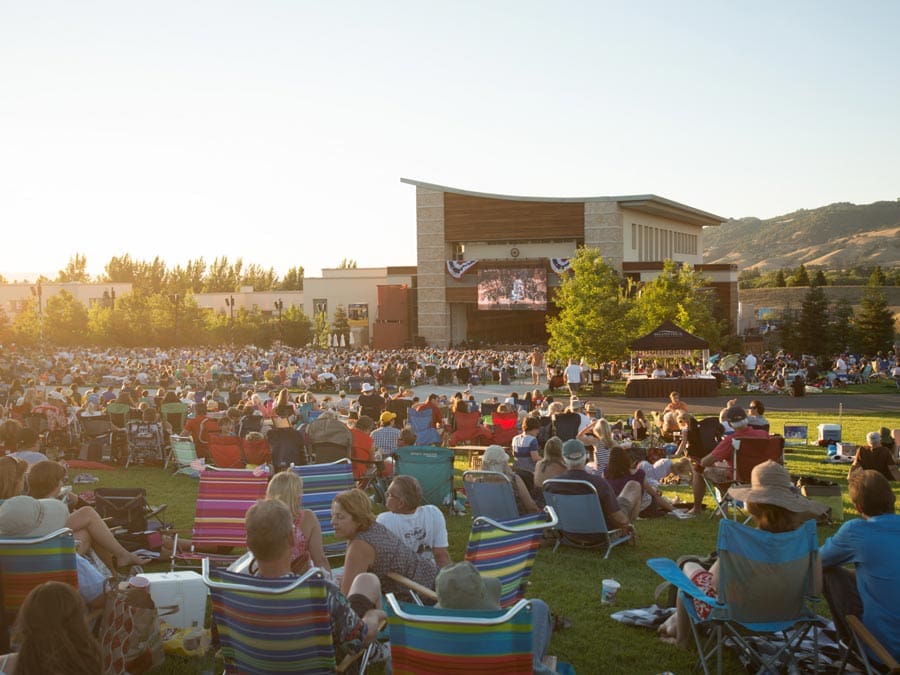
634	228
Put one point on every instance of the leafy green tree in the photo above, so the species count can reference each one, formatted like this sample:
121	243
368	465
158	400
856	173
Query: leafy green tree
27	326
842	331
877	277
6	332
293	280
780	281
321	329
340	325
347	264
789	331
222	277
679	294
296	329
801	277
261	279
75	270
812	326
65	320
875	322
819	279
594	318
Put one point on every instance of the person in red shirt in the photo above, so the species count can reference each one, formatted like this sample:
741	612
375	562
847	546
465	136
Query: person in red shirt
736	416
437	417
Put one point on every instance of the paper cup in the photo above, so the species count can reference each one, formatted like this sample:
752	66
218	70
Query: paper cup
608	591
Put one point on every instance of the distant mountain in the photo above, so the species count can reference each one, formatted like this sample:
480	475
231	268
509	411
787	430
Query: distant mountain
834	236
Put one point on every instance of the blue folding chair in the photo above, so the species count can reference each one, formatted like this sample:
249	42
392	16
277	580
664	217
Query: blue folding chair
766	586
581	520
422	423
490	494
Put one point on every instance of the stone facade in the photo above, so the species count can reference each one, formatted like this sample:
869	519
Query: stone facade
603	230
434	313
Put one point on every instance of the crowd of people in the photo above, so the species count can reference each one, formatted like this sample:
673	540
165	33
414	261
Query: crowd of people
565	438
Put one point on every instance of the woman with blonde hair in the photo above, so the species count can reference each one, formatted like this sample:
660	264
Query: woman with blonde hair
53	635
552	464
496	459
599	437
287	487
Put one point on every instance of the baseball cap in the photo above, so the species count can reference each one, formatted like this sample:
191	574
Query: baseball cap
735	414
387	416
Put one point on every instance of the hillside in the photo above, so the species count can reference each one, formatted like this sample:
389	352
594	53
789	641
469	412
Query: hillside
834	236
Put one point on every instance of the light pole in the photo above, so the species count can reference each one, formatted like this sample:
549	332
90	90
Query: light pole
279	305
174	297
229	303
38	292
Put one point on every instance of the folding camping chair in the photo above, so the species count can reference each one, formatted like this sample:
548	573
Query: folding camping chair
145	442
711	432
119	415
506	550
274	625
27	562
257	451
226	452
581	520
422	424
782	603
128	508
183	453
175	414
329	439
321	482
432	467
435	641
223	498
746	454
469	430
490	494
567	425
95	436
505	427
865	643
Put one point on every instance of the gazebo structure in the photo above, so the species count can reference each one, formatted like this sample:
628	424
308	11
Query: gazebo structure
668	341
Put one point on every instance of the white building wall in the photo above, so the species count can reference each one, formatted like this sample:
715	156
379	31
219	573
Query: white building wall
663	241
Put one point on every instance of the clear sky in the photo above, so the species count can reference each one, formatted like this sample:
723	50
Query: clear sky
277	131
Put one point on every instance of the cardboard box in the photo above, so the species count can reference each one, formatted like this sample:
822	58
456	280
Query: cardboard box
830	495
184	590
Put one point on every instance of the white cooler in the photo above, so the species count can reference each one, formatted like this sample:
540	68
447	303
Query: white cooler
830	432
185	590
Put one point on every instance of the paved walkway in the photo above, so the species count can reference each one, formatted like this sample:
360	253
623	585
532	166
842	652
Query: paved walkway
854	403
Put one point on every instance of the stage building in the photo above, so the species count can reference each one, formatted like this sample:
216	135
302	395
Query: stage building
489	264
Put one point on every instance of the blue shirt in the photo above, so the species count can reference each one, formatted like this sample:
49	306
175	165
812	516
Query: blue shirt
523	445
872	546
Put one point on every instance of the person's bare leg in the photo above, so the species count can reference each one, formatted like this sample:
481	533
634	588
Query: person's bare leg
88	520
367	584
699	488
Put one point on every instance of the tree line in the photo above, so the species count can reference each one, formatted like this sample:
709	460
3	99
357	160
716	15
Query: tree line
801	276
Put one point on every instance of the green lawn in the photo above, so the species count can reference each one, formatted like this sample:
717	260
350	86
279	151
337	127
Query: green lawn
570	580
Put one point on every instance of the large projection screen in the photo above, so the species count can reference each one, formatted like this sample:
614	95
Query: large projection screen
512	289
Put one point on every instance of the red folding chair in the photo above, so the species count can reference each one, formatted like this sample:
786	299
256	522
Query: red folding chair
226	452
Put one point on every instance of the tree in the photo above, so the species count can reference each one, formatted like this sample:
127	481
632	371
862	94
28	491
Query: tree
819	279
801	277
296	328
321	329
347	264
222	277
679	294
877	277
842	331
27	326
261	280
594	320
874	323
779	279
790	338
340	325
293	280
65	320
812	327
75	270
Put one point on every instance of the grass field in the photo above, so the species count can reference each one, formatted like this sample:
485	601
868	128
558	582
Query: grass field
570	580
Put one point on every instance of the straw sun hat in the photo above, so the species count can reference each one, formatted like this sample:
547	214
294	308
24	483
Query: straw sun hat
770	483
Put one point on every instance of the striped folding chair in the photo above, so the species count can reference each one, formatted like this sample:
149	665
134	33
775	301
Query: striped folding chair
184	453
321	482
506	550
223	498
273	625
27	562
435	641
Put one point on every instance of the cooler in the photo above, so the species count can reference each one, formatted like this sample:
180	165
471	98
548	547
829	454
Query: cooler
830	432
185	590
846	450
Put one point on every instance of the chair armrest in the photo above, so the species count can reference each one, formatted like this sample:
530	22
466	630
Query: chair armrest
872	642
669	570
413	586
153	511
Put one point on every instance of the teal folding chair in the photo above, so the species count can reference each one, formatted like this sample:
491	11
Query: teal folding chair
432	467
766	587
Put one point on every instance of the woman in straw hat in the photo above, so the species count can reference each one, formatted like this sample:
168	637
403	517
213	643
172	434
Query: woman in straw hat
776	506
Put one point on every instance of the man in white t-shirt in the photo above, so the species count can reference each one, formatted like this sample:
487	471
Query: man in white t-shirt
750	367
421	527
573	377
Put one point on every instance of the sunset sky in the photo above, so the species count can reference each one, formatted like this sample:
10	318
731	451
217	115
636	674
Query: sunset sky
278	131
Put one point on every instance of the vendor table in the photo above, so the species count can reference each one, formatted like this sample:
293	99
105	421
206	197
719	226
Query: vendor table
688	387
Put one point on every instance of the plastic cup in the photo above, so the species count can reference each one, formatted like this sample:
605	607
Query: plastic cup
608	591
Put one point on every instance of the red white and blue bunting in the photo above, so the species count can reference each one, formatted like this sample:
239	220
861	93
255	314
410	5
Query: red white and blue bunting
560	265
457	268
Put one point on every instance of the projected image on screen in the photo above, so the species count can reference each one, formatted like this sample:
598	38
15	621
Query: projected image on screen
512	289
